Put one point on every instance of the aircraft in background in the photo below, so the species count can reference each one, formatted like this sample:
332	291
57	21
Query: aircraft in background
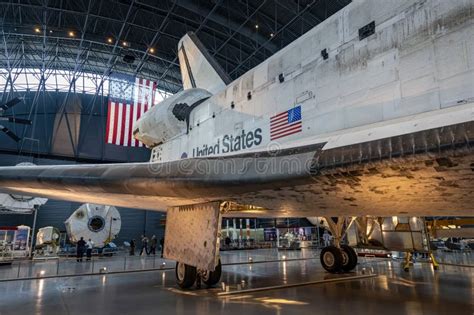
369	113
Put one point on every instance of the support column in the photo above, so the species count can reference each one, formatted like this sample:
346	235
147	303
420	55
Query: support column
247	227
33	239
240	232
234	229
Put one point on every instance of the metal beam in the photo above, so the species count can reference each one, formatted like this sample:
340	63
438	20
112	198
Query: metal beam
185	21
193	7
218	2
240	26
155	37
106	73
78	67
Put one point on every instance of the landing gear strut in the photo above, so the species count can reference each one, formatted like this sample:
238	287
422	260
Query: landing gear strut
338	258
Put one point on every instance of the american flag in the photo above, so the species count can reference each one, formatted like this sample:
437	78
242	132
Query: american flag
129	99
286	123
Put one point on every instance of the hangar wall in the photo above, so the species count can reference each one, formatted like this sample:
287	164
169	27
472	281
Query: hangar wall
67	127
78	136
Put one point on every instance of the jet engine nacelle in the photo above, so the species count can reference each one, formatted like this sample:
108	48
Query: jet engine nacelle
169	118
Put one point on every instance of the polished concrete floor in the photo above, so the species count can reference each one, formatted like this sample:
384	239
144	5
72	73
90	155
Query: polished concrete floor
122	262
450	290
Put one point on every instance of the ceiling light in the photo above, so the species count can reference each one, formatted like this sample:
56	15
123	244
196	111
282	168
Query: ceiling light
125	43
71	33
51	31
37	30
110	40
152	50
271	35
256	26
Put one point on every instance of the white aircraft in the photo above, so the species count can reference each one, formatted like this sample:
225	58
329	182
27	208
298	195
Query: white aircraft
369	113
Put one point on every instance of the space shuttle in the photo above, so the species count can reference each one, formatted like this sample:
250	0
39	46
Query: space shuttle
369	113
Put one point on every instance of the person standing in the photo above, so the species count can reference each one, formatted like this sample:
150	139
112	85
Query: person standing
132	247
89	247
144	245
153	244
227	242
162	244
80	247
327	238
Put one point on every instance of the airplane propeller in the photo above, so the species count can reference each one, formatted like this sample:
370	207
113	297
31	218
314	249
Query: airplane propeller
4	129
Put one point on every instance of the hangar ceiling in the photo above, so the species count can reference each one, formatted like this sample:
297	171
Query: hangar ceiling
140	36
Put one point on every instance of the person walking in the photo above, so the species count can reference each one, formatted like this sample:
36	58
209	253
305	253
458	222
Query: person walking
153	244
144	247
80	247
89	247
132	247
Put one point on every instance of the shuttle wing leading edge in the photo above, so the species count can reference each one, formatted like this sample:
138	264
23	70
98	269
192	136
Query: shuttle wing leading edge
423	173
159	185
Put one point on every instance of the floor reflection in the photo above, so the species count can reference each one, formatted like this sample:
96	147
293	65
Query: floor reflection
422	290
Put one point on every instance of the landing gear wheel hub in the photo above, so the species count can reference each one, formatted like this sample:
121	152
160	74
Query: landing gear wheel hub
331	259
349	258
180	271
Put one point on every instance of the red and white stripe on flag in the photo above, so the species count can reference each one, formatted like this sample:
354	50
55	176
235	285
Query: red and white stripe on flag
122	115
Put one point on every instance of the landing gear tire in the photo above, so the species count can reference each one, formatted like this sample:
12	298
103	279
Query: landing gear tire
331	259
185	275
211	278
349	258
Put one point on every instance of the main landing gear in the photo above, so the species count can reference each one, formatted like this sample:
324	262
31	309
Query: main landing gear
187	276
339	258
335	259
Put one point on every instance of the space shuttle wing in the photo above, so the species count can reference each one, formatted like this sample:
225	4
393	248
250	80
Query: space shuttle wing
159	185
